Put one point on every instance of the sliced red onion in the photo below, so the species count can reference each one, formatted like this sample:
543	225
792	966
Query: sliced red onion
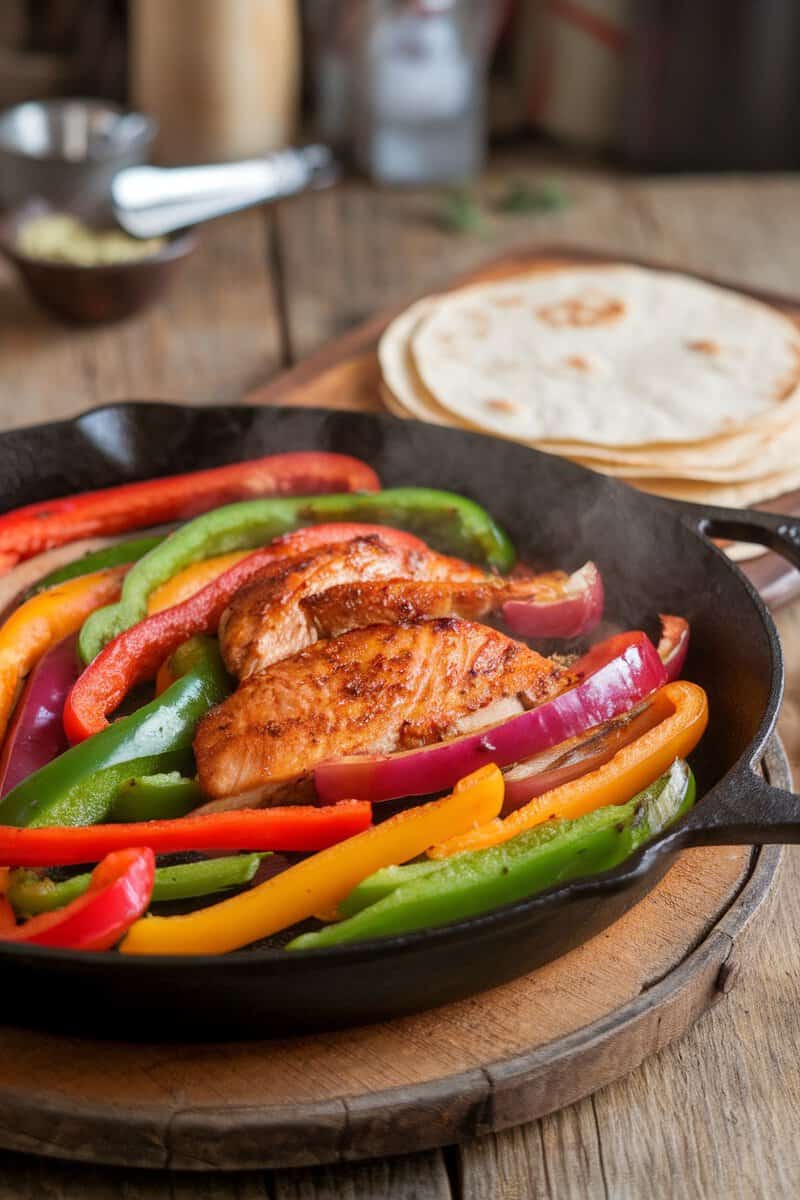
576	610
673	645
36	735
569	760
611	678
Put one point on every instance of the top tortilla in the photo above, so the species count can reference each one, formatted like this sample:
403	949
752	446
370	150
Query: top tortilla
611	356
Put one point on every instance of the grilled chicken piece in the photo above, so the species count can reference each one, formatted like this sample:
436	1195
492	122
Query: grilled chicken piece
266	621
349	606
374	690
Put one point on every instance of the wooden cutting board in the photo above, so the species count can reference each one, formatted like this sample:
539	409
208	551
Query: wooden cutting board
448	1075
345	374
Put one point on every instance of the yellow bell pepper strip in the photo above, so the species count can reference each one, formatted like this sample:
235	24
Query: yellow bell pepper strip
44	620
551	854
633	768
319	883
192	579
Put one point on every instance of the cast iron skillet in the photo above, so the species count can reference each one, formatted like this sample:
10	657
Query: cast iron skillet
653	555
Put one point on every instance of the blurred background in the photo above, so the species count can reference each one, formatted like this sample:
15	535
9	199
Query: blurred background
660	84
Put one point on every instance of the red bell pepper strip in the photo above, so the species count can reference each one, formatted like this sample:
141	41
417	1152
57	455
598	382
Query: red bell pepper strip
291	828
37	527
8	919
36	733
136	654
118	894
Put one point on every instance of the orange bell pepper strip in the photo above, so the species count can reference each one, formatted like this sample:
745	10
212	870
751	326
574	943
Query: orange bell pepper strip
8	919
45	619
192	579
633	768
319	883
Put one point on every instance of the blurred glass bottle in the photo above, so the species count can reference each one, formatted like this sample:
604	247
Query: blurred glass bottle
222	76
419	95
713	85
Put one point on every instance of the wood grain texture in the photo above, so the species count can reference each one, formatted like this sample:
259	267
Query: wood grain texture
211	338
478	1065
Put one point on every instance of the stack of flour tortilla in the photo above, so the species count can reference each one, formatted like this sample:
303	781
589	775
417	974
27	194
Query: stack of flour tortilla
680	387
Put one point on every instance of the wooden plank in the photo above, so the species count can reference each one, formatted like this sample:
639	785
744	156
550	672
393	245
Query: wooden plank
212	337
412	1177
356	250
557	1157
25	1178
483	1064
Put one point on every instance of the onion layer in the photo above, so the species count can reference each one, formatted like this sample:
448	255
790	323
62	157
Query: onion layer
673	645
569	760
609	680
576	608
36	735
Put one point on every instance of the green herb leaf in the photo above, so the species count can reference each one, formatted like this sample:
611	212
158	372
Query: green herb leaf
520	197
461	212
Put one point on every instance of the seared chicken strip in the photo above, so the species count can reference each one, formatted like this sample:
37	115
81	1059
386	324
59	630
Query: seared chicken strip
395	601
266	621
374	690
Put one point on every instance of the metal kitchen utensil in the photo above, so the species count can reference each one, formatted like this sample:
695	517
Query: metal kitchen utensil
151	201
65	149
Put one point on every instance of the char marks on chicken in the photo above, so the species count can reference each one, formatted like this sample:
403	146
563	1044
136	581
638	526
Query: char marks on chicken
378	689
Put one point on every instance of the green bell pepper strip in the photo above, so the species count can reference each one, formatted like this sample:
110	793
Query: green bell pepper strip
31	894
451	523
110	556
80	786
380	884
160	797
553	853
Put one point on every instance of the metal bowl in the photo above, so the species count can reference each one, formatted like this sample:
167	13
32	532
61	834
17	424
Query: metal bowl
63	149
92	294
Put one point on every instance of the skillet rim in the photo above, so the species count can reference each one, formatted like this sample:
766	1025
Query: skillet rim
608	882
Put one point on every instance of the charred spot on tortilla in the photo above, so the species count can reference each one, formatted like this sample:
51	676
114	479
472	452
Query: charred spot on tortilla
704	346
578	362
479	321
500	405
582	312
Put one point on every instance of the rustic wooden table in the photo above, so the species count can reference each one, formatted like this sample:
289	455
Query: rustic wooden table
714	1115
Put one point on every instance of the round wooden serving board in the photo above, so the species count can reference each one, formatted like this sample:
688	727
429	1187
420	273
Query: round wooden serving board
499	1059
345	374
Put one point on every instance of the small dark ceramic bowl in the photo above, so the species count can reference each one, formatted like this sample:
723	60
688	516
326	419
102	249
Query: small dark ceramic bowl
90	295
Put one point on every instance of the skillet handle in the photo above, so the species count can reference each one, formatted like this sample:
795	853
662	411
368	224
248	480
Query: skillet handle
752	811
774	530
